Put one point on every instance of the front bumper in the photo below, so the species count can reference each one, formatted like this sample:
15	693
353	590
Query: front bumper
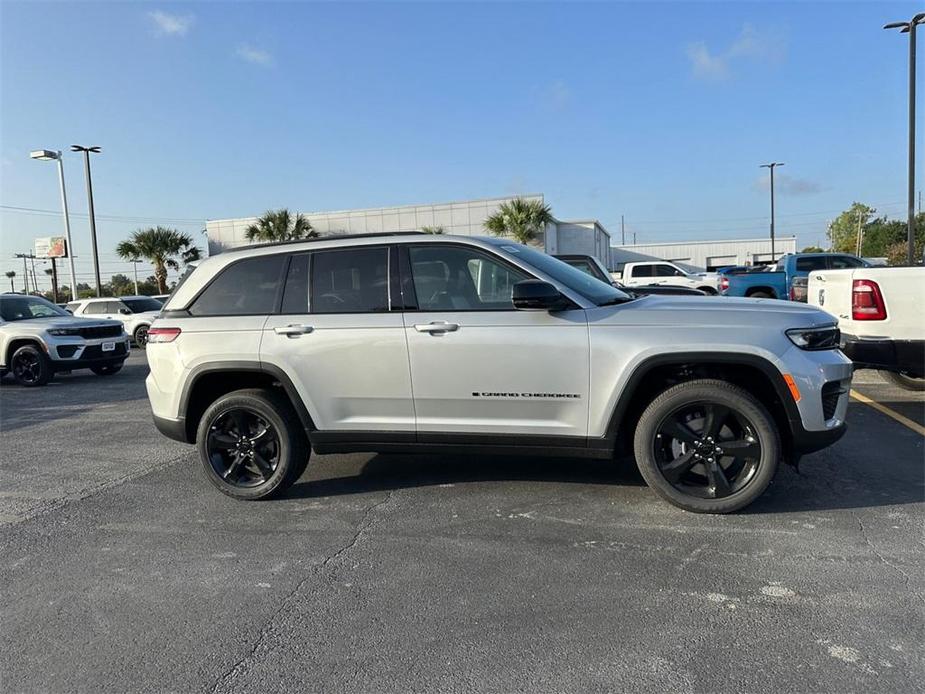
68	355
903	356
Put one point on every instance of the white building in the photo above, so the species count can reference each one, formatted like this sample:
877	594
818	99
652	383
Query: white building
465	218
710	255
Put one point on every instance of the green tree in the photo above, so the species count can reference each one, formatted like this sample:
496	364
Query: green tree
280	225
121	285
520	219
162	247
843	230
812	249
10	275
433	229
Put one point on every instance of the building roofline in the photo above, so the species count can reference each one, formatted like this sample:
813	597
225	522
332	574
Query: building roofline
698	243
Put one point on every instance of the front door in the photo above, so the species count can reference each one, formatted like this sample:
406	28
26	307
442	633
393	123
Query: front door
479	366
335	337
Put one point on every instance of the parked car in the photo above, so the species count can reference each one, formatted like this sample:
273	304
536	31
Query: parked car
162	298
787	279
881	314
38	339
592	266
136	313
664	272
267	352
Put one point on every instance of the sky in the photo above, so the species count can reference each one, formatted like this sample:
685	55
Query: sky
657	112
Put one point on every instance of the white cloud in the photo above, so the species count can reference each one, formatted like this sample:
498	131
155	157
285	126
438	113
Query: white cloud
251	54
749	45
167	24
788	185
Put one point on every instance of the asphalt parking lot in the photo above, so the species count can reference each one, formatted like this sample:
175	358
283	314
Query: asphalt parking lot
123	569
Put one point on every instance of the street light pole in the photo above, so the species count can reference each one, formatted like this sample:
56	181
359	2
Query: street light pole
771	167
909	28
96	256
48	155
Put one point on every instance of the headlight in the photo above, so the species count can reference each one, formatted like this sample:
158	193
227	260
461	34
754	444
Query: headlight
815	338
59	332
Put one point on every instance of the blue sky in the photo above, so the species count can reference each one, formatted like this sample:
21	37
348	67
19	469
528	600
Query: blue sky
661	112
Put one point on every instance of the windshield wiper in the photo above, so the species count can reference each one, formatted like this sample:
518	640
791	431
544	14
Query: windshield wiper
619	300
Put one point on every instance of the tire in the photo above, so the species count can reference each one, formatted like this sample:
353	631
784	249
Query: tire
904	381
107	369
709	291
140	336
229	442
30	366
761	295
684	469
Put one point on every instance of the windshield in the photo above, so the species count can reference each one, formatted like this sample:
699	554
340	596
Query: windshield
14	308
591	288
143	304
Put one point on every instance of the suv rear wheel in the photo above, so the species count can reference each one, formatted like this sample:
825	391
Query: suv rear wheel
252	444
707	446
141	336
30	367
904	380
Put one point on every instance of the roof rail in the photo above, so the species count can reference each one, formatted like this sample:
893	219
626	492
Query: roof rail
324	237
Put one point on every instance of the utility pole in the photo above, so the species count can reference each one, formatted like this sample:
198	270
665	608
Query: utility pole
54	279
25	270
135	262
622	231
96	255
859	235
909	28
771	167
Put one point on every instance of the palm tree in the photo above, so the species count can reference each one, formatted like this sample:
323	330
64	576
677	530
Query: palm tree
433	230
11	274
520	219
279	225
161	247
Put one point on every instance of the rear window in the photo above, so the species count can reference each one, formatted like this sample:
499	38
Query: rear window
246	288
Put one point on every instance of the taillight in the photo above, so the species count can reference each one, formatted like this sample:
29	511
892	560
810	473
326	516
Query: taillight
723	283
867	301
798	289
156	335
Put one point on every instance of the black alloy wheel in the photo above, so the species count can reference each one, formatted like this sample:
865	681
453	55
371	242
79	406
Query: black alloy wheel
141	336
243	447
30	367
707	450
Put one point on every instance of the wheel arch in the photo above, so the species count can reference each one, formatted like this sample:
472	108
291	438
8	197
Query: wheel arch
767	290
211	381
15	343
655	374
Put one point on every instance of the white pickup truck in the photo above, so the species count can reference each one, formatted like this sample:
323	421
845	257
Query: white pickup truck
665	272
881	315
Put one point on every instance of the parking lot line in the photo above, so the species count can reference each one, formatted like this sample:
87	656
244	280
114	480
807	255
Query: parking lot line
892	414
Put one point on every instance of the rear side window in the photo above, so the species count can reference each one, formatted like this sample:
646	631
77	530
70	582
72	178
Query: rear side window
295	293
354	280
810	263
246	288
95	308
642	271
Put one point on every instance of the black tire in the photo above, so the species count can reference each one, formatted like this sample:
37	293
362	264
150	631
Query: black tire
140	336
761	295
30	366
709	291
107	369
233	457
682	466
904	381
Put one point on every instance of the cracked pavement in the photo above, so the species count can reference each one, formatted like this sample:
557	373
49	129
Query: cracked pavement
124	570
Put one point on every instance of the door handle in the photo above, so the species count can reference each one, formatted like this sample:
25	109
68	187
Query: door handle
436	328
293	330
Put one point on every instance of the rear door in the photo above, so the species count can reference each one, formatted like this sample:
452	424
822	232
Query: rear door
339	342
479	366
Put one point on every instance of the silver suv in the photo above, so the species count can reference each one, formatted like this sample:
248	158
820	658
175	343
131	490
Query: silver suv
135	312
419	343
38	339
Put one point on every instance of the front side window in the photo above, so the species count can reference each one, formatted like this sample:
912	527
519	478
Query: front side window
810	263
453	278
667	271
843	262
143	304
245	288
354	280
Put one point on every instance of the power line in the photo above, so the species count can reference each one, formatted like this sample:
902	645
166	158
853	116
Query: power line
112	218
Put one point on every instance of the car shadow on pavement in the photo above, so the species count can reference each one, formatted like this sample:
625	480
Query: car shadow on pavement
392	471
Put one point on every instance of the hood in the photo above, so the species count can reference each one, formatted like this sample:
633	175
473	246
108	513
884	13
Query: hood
705	311
39	324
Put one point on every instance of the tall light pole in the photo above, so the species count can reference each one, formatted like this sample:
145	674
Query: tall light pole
909	28
49	155
96	255
771	167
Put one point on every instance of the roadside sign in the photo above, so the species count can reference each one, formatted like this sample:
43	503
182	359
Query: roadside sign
51	247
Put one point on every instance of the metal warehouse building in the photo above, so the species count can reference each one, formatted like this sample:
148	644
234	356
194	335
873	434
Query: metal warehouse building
710	255
465	218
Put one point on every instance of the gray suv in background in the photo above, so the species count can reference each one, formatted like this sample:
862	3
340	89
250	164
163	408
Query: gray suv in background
428	343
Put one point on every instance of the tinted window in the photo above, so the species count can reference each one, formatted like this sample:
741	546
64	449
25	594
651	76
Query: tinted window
95	308
247	287
643	271
666	271
452	278
295	293
841	262
114	306
141	305
350	281
810	263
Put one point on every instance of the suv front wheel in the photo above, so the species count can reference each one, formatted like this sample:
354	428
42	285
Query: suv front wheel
707	446
252	444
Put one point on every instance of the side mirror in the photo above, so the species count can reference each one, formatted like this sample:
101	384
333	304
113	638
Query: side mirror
537	295
125	312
